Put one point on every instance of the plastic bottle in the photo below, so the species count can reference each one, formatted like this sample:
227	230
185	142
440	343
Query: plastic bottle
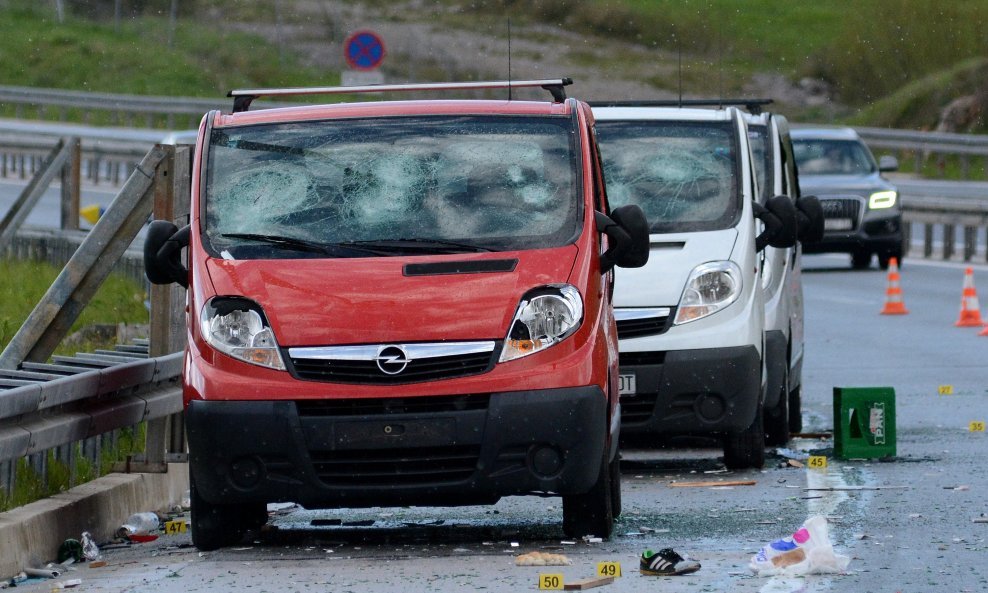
139	524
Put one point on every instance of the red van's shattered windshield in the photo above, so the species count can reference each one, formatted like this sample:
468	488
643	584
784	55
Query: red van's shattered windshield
489	182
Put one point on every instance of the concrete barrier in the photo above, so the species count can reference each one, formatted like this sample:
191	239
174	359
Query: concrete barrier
30	535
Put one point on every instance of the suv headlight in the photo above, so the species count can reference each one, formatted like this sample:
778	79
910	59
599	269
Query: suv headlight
710	288
237	327
544	317
882	199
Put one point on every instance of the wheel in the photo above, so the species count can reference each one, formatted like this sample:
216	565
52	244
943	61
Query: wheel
616	487
777	418
796	410
746	448
860	260
216	525
883	259
591	513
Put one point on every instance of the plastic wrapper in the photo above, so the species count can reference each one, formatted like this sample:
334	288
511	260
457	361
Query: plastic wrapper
807	551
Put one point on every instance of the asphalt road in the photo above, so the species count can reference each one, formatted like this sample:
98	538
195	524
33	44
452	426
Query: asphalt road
907	524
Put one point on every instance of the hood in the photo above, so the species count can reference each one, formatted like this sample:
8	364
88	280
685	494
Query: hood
671	258
322	302
823	185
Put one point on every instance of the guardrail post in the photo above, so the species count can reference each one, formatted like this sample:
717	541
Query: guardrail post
927	240
172	198
948	241
71	171
970	242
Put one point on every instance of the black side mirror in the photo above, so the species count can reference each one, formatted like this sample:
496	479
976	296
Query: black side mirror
781	228
809	218
627	229
163	253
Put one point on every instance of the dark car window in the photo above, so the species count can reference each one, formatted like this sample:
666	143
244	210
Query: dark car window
832	157
498	183
683	175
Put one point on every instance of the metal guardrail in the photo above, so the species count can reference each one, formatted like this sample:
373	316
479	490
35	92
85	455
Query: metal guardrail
951	214
921	146
161	112
49	403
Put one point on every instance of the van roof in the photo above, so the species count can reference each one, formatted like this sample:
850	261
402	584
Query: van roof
662	113
393	109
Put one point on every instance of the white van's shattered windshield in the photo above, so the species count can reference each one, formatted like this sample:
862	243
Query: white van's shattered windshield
351	188
684	176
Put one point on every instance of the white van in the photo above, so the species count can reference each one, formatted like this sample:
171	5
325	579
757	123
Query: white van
692	322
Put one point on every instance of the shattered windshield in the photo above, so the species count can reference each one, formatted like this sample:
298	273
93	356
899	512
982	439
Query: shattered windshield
684	176
832	157
352	188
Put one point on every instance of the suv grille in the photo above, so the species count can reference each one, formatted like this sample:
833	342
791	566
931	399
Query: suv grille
841	214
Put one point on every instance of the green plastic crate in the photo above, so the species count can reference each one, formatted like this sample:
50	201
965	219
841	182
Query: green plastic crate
864	422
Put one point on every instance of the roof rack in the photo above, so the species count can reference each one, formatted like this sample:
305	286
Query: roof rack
754	106
242	98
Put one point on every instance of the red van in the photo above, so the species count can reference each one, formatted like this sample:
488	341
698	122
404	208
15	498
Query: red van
399	303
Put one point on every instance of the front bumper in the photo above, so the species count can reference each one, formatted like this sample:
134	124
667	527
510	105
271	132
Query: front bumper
713	390
425	451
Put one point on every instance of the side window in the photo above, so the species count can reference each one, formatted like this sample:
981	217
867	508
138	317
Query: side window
599	195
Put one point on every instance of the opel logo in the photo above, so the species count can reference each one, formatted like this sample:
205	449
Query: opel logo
392	360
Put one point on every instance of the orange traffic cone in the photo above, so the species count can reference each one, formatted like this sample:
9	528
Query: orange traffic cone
893	295
970	309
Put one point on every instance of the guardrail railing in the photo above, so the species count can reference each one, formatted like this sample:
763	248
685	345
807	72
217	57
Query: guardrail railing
919	146
51	403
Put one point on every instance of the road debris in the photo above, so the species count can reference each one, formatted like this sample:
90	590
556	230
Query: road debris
588	583
542	559
980	519
712	484
807	551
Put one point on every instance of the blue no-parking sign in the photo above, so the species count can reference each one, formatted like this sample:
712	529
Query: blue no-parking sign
363	50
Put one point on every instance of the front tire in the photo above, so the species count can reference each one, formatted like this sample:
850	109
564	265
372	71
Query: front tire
591	513
615	472
796	410
218	525
777	418
747	448
860	260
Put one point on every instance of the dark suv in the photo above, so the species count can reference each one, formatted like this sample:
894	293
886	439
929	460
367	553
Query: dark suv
862	213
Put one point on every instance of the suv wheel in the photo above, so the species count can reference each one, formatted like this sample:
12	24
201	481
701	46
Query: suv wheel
777	418
860	260
746	448
884	258
591	513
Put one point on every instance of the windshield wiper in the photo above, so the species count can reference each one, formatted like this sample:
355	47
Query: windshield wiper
419	244
303	244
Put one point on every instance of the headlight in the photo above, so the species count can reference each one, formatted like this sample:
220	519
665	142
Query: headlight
882	199
544	317
711	287
236	327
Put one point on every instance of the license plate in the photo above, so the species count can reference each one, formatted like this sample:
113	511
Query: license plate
838	224
626	384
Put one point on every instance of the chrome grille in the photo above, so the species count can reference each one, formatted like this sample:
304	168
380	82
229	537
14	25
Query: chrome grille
634	323
391	364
